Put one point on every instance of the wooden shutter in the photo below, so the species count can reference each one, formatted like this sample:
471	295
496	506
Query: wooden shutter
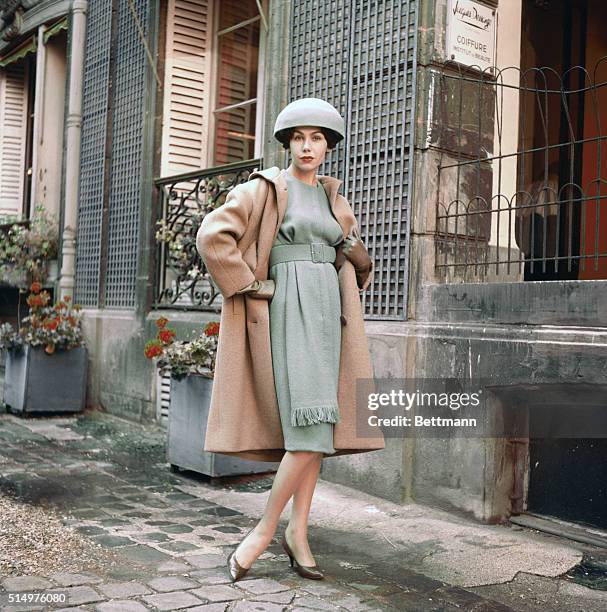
13	134
186	97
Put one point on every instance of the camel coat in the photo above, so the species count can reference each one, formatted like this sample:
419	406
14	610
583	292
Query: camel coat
234	242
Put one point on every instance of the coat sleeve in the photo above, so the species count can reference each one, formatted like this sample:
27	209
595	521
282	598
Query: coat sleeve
363	279
217	242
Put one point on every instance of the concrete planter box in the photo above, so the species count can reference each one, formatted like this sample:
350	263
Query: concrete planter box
35	382
188	414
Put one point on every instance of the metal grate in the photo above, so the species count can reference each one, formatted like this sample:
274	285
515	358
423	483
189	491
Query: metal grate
129	90
368	74
92	153
182	280
320	35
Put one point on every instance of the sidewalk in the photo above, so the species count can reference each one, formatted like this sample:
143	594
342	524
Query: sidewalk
95	513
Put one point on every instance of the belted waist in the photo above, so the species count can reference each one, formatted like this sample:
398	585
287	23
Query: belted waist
318	252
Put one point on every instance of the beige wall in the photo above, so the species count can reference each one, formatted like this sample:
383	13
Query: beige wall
50	136
508	54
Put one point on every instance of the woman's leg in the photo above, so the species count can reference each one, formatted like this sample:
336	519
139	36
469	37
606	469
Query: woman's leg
290	472
297	529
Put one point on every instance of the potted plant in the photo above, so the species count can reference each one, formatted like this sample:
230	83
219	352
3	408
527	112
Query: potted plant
46	360
191	366
28	249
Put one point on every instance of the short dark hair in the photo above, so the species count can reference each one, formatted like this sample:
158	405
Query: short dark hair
332	138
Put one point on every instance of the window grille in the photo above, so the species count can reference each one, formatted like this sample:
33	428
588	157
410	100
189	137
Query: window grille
361	57
122	188
129	93
92	152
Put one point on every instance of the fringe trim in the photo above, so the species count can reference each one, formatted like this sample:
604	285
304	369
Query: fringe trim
311	415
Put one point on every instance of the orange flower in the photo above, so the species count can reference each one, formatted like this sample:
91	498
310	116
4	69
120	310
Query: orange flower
153	349
161	323
212	329
35	287
166	336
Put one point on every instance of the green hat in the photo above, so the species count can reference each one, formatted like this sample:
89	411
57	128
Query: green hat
309	111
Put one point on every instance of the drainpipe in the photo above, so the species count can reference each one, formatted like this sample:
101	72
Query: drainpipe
72	156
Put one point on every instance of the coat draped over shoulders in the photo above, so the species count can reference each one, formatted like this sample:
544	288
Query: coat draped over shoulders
234	242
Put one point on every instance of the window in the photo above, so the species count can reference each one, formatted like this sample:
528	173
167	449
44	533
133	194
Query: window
237	45
211	110
16	104
32	107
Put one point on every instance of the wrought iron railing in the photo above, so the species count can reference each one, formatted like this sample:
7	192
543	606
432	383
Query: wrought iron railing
522	176
182	281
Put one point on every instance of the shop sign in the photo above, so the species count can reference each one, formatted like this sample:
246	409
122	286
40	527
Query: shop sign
471	33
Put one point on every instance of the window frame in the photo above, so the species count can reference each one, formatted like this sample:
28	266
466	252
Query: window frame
259	100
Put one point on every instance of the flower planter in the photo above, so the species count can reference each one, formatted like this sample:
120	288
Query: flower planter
188	413
35	382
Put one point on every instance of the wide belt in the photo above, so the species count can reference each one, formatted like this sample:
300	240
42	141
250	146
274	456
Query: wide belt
318	252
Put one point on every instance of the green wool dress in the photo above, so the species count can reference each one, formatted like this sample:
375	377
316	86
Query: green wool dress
305	325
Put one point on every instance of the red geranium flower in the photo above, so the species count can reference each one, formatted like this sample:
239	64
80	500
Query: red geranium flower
212	329
153	349
161	323
166	336
35	287
34	300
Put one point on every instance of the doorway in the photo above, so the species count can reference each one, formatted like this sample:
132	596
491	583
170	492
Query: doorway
563	168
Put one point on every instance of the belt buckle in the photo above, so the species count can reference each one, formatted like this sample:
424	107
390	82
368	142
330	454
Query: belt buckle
317	249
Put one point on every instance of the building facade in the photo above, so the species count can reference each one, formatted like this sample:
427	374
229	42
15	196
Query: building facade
473	163
507	260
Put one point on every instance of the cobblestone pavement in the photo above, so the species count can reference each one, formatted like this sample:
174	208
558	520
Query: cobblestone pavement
163	542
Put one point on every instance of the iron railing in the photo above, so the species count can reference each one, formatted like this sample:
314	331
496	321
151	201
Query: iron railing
521	179
182	281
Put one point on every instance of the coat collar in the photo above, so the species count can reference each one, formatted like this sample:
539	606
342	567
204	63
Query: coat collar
275	176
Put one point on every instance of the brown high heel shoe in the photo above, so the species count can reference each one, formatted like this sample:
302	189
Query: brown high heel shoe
234	568
305	571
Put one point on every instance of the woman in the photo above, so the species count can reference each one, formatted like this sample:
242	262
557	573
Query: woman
298	279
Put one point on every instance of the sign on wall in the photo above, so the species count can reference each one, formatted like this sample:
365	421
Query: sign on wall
471	33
